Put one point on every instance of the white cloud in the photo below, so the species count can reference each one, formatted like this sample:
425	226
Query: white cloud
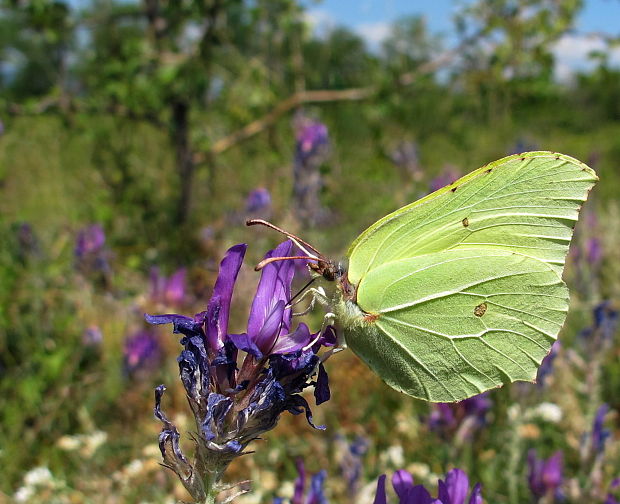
572	54
373	33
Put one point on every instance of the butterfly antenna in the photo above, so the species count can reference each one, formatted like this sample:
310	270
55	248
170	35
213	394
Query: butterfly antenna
270	260
303	245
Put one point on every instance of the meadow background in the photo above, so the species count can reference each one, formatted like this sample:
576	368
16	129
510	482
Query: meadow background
137	137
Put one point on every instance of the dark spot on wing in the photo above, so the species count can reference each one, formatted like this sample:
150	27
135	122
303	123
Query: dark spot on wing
523	158
480	310
454	189
557	157
465	222
488	170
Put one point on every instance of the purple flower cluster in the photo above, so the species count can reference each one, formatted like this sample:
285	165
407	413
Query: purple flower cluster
234	404
315	494
311	137
454	490
546	366
258	203
447	176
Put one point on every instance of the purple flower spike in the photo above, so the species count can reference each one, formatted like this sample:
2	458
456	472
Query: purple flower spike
234	405
90	240
258	200
599	433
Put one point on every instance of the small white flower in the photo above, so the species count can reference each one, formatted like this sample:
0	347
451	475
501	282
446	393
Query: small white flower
549	412
23	494
38	476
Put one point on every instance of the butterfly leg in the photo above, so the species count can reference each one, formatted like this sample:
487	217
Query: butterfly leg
316	295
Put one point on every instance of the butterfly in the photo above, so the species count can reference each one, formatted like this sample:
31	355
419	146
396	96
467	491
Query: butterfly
462	291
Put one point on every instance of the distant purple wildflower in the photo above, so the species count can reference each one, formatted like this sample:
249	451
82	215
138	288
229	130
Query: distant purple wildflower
453	490
546	366
90	240
468	415
90	252
606	317
599	433
311	149
447	176
92	336
142	351
613	495
407	158
258	202
169	291
351	455
545	476
234	406
315	494
523	145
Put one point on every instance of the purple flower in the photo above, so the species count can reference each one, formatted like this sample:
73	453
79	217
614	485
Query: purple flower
310	136
612	495
454	490
141	351
315	494
169	291
545	476
407	157
235	405
258	201
90	253
351	455
461	418
594	441
605	322
546	366
90	240
92	336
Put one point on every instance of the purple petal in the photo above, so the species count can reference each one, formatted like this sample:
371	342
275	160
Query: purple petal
219	304
419	495
321	389
175	287
182	324
272	325
297	404
457	484
380	496
552	471
402	481
476	495
274	286
243	342
293	342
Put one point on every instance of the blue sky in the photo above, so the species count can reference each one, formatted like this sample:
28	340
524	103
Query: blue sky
372	18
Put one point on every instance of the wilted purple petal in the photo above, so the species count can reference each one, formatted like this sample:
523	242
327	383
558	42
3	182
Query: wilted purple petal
218	308
182	324
380	496
296	404
274	286
218	407
321	389
402	481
